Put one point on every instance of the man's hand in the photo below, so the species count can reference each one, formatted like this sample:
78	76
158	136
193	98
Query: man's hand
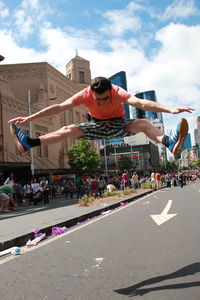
18	120
178	110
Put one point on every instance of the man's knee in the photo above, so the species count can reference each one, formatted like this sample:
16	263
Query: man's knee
71	130
137	126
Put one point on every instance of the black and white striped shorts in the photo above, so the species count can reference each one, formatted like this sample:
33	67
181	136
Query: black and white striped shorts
105	130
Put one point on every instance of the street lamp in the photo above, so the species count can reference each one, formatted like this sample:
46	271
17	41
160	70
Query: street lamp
105	158
31	132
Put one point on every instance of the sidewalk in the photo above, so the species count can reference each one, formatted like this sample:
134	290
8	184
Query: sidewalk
16	227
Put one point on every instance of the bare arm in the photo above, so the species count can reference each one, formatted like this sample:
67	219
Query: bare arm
45	112
156	107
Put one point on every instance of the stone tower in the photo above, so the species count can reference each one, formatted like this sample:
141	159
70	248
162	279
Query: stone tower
78	70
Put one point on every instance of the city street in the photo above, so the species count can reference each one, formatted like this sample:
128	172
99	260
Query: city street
148	249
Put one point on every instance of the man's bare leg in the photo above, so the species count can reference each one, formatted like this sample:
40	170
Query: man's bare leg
57	136
142	125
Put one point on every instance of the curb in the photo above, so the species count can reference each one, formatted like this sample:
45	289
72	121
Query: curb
22	240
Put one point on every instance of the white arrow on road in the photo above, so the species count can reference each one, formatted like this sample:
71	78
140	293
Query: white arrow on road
163	217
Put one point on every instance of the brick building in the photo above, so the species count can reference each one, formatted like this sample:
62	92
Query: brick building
42	81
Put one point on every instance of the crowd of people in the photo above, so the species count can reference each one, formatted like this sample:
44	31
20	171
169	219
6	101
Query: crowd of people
13	193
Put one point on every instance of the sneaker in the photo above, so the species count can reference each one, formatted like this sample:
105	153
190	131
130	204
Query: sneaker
177	140
20	138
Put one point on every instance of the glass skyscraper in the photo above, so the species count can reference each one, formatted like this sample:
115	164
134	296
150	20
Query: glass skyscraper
120	80
136	113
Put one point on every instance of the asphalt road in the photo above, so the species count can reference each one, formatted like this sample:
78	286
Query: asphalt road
116	256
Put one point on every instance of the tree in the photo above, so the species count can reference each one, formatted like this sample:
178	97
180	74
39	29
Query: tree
196	163
82	158
125	163
168	166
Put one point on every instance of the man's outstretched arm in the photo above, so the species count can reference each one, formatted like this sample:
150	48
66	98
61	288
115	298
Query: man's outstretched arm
45	112
156	107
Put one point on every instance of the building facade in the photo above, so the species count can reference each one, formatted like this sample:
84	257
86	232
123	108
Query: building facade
41	81
197	137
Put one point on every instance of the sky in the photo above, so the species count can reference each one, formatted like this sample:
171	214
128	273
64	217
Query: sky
156	42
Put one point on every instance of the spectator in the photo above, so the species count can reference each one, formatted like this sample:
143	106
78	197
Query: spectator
135	180
27	193
44	186
180	179
153	180
79	186
69	189
6	198
18	193
10	179
125	180
94	186
158	180
101	185
168	180
36	192
110	187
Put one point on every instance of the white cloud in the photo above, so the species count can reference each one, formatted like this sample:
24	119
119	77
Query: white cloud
173	71
29	17
13	53
4	11
180	9
122	21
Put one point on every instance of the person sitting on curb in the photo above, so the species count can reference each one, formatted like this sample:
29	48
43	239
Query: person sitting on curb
6	197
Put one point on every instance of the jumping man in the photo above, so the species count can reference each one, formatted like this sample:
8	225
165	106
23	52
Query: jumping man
104	102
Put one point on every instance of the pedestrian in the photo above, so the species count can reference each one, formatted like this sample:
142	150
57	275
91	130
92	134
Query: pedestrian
153	180
168	180
27	193
69	189
36	192
10	179
158	180
180	179
44	186
105	105
18	193
135	181
125	180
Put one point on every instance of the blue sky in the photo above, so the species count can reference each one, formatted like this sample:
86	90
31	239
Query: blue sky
156	42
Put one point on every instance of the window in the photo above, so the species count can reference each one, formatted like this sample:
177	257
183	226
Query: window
70	117
78	117
81	77
45	151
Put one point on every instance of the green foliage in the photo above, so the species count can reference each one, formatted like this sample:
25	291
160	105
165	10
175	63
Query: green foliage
125	163
196	163
86	200
146	185
168	166
82	157
128	191
108	194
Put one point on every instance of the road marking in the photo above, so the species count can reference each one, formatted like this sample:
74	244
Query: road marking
163	217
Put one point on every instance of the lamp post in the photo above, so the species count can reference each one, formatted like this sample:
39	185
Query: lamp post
105	157
31	132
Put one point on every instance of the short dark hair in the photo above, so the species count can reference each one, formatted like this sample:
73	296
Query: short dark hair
100	85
